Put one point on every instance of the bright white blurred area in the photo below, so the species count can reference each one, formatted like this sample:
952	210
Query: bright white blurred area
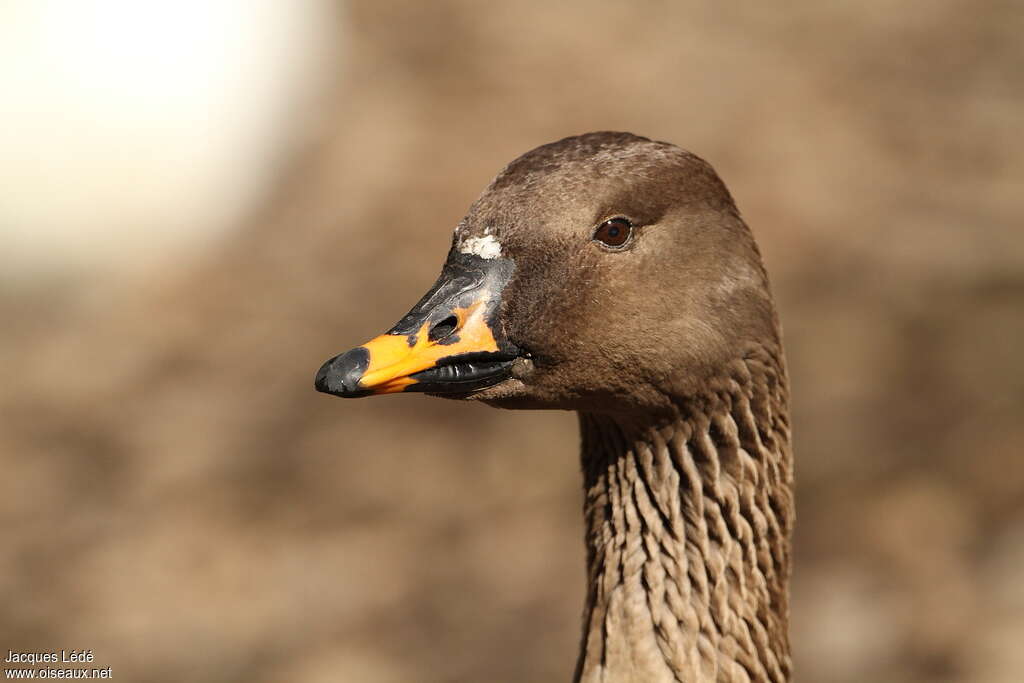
132	131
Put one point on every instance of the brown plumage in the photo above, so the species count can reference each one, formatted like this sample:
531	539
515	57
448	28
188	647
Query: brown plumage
668	347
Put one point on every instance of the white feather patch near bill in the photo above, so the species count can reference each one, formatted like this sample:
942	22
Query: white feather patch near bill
487	247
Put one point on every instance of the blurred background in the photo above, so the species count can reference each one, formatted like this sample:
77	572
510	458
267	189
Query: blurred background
202	201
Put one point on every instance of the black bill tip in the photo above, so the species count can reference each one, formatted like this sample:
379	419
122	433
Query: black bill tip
340	375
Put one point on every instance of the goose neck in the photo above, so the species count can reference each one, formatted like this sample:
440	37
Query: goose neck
687	533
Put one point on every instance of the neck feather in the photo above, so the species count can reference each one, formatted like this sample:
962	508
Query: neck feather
688	522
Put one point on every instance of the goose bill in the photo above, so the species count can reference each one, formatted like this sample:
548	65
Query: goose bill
449	343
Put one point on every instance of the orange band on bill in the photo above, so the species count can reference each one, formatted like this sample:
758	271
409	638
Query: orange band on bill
393	360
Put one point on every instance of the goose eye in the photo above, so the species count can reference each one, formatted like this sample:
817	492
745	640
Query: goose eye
614	232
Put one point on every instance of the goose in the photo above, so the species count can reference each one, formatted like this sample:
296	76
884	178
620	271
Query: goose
612	275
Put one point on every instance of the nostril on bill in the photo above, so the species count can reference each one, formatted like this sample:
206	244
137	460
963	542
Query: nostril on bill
443	329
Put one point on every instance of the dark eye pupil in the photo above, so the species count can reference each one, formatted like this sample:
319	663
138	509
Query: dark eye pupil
614	232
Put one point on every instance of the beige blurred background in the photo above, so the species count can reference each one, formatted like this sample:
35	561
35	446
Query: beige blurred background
202	201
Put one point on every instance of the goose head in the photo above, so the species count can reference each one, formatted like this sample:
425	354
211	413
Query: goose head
612	275
604	273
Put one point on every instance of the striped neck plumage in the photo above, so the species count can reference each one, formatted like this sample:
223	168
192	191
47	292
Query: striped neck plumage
688	522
